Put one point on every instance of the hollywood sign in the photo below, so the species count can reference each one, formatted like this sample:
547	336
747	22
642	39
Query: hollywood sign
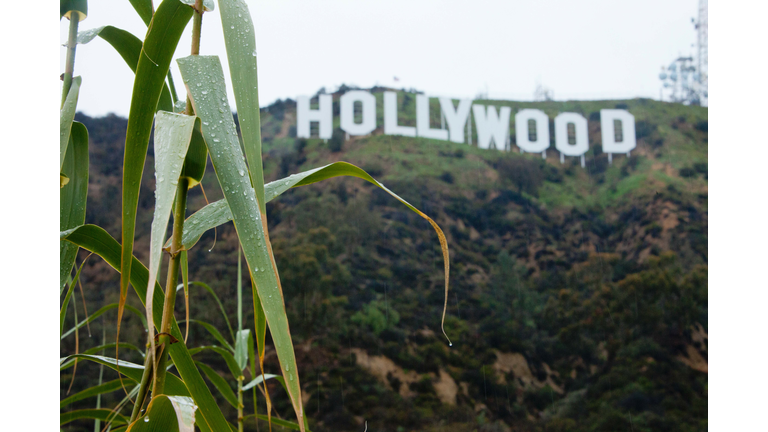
492	125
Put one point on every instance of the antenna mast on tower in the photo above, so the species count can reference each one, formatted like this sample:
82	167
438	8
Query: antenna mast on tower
702	31
690	86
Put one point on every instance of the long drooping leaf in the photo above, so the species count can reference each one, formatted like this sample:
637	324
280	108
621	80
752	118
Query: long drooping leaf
65	303
100	414
218	212
163	35
210	291
107	346
66	117
144	8
167	414
99	312
215	333
240	39
129	48
172	135
95	239
219	382
278	422
107	387
204	80
73	196
258	380
224	353
173	385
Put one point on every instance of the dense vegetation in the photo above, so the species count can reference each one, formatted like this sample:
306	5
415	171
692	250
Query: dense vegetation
578	295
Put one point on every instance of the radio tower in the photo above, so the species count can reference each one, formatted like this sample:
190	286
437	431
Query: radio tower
702	38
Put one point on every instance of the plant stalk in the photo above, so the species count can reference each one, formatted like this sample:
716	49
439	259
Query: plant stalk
69	69
240	403
144	387
179	213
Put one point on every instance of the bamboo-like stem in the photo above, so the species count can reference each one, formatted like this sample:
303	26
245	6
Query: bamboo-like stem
144	387
69	69
172	87
240	405
179	213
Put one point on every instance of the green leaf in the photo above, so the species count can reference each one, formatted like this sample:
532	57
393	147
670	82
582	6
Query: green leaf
184	261
107	346
226	355
66	7
258	380
99	312
241	349
240	40
66	117
99	414
220	383
65	303
172	135
163	35
208	217
283	423
167	414
210	290
107	387
197	159
144	8
215	333
216	213
73	196
95	239
129	48
173	384
224	148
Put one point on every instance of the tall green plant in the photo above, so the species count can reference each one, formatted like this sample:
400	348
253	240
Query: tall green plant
183	141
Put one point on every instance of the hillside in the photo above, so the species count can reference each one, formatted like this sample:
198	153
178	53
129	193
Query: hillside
578	295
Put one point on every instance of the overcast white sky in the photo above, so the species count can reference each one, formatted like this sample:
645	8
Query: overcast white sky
580	49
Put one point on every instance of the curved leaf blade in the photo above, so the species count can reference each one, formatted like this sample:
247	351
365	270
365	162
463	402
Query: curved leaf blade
167	414
95	239
107	387
215	333
226	355
228	161
102	414
101	311
258	380
73	196
218	213
144	8
210	291
66	117
172	135
163	36
240	40
220	383
173	384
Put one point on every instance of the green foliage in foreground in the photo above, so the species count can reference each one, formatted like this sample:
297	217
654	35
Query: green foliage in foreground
180	161
595	278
